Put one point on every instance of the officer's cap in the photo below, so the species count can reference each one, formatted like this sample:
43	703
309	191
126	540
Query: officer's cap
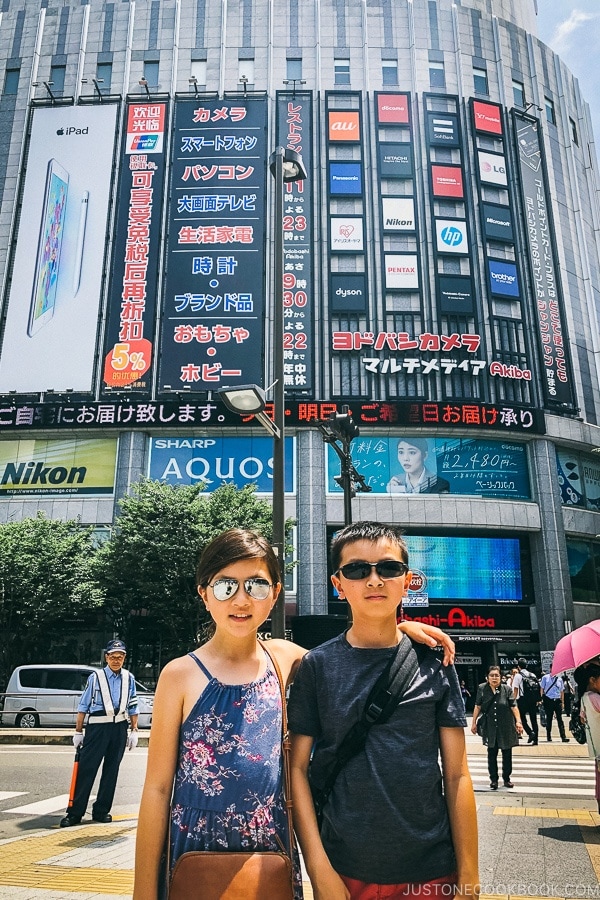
115	645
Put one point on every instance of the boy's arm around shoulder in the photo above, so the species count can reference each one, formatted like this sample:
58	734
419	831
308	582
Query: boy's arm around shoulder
153	821
326	883
431	636
460	800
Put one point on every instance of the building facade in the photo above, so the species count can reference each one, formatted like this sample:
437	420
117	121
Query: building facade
441	274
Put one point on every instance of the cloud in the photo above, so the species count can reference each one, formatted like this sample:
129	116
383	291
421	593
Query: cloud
563	32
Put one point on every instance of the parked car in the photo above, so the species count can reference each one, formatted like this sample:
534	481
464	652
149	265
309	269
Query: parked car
48	695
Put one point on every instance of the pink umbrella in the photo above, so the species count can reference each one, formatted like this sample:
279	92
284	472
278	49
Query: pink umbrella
576	648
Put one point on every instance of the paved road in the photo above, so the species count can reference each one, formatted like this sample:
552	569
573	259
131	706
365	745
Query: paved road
540	839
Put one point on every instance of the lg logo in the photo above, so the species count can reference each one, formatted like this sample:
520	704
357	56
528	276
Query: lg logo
451	236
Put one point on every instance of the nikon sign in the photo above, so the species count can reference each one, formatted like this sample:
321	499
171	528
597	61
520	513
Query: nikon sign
58	467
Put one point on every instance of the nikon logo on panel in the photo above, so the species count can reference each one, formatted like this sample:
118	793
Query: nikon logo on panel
36	473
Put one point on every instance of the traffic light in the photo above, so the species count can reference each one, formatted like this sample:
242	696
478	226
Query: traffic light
343	425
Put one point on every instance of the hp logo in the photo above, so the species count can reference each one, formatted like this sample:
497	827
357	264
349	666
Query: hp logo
451	236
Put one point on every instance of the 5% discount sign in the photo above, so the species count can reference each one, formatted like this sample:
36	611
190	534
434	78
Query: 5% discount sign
127	362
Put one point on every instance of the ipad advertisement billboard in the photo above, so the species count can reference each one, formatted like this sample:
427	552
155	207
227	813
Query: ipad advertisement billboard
54	297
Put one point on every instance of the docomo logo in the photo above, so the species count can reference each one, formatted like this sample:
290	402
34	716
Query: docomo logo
392	108
344	126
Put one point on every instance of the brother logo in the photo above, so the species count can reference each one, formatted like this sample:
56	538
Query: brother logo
503	278
451	235
72	130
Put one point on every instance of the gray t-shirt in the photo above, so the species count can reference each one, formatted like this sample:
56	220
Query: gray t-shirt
386	820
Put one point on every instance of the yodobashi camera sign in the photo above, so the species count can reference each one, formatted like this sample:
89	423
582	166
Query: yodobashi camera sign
213	461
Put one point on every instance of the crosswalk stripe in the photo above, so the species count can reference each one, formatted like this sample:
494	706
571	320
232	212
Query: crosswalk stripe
41	807
8	795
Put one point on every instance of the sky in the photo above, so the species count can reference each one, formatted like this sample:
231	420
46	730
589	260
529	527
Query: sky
572	29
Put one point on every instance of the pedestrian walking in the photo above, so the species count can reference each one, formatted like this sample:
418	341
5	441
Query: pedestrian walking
499	724
388	829
109	701
466	694
552	700
527	693
587	679
214	778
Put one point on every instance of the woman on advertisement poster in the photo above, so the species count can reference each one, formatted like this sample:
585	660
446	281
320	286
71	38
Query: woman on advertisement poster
419	474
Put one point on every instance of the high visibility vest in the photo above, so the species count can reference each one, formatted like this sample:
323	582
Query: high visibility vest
120	715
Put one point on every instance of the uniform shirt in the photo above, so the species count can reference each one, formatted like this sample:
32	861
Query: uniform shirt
91	699
552	686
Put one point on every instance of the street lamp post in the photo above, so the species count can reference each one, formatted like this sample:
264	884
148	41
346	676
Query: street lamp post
285	166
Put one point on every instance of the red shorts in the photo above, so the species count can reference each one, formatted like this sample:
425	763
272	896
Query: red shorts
437	888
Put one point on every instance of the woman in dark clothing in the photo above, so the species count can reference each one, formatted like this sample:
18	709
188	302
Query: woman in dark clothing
501	724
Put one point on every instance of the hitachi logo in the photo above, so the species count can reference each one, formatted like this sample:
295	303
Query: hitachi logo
38	473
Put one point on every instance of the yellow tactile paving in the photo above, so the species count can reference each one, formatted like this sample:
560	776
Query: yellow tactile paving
21	863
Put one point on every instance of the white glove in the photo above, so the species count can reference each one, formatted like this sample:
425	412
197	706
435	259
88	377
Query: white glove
132	740
77	739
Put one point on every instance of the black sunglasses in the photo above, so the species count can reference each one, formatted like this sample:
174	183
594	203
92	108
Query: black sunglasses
385	568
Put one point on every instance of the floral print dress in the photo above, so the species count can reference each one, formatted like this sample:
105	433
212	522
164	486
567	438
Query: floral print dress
228	792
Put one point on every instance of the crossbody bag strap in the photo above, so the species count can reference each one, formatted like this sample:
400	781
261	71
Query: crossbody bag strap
383	698
285	747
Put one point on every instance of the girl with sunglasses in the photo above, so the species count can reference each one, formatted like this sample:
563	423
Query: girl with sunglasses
214	774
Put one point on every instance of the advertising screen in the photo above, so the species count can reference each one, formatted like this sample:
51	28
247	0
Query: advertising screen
492	168
213	461
451	235
442	130
447	181
131	310
417	465
348	291
468	568
68	466
503	278
212	329
398	213
395	160
497	222
401	271
52	315
345	179
346	234
393	108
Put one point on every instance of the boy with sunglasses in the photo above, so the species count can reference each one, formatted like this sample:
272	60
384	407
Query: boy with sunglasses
387	821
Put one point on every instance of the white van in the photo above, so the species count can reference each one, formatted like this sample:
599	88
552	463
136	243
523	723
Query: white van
48	695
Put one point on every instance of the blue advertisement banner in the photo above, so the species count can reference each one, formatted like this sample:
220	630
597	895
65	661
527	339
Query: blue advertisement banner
294	131
345	179
417	465
213	315
503	278
446	569
212	461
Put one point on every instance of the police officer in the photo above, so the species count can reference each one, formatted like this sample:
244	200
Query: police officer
109	698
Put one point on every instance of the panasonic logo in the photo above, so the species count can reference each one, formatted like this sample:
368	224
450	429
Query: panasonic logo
344	177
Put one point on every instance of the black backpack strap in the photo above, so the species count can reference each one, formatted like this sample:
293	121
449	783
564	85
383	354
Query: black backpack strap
383	698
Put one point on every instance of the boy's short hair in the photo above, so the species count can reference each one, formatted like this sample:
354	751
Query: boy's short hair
367	531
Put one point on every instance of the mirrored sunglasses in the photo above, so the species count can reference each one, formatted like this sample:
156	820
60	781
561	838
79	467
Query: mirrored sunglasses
385	568
225	588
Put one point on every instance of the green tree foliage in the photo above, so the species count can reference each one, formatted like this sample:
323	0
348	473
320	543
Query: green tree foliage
147	570
45	587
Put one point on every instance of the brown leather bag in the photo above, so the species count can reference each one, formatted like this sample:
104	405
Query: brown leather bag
227	875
